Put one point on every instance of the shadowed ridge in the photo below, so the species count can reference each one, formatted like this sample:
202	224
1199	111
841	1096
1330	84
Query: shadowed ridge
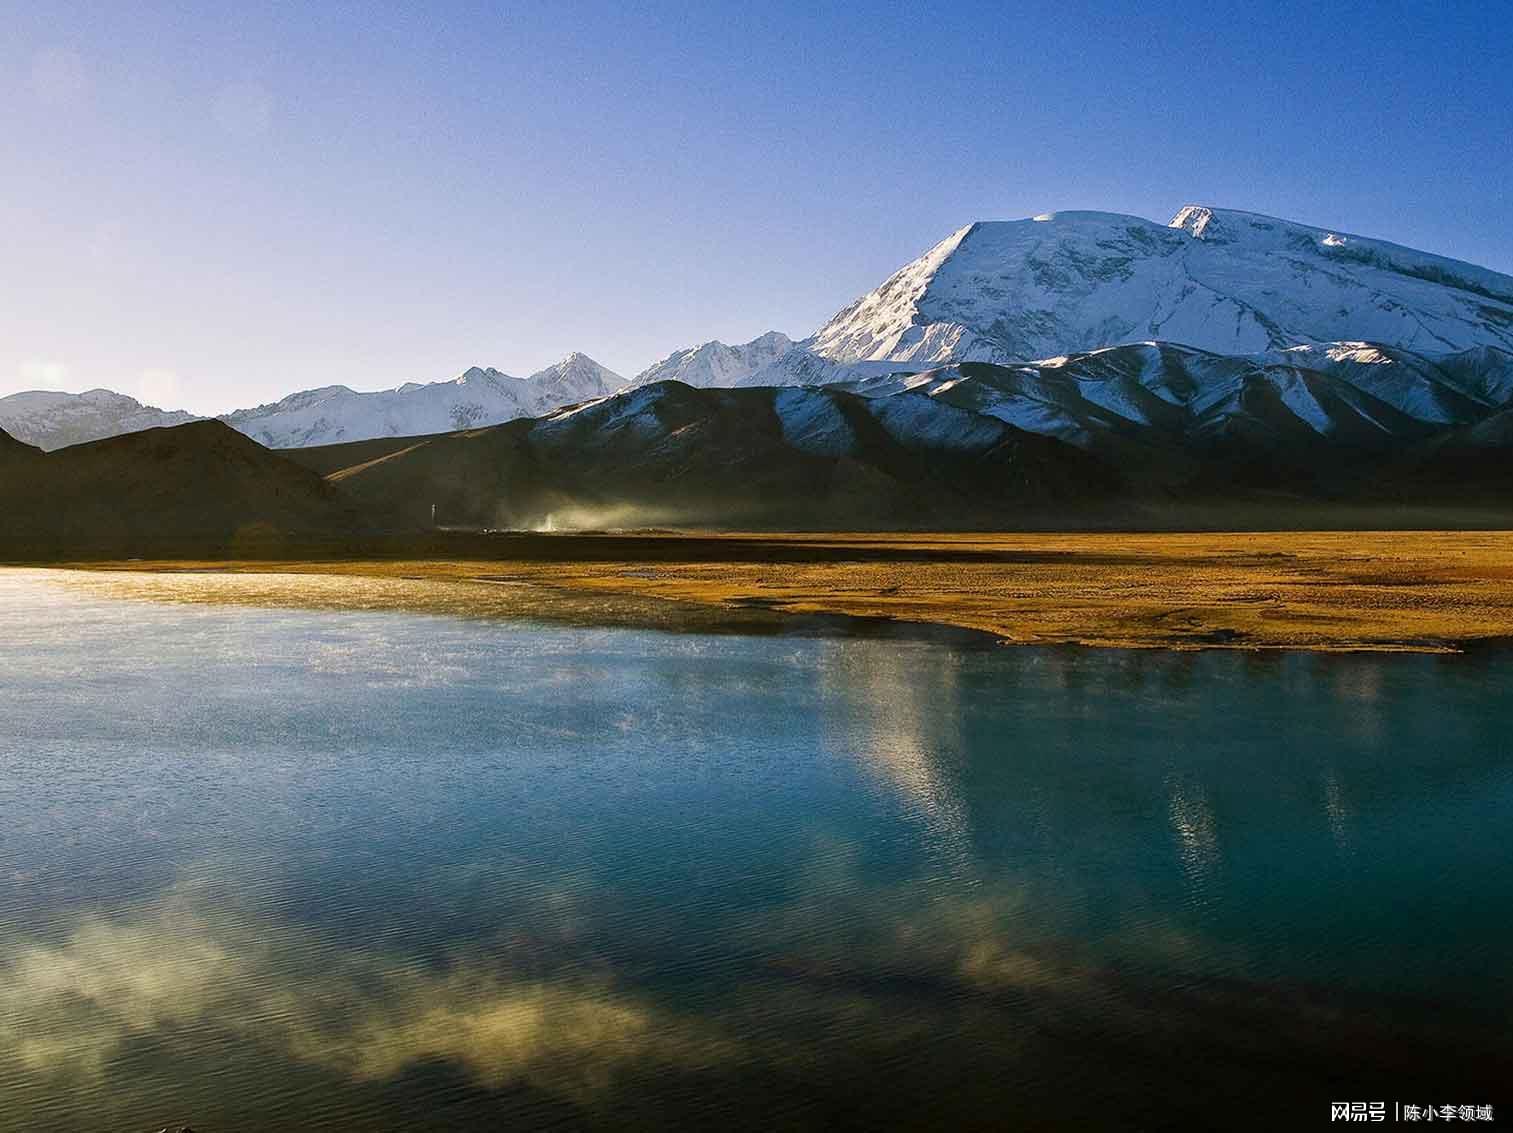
12	449
671	454
202	483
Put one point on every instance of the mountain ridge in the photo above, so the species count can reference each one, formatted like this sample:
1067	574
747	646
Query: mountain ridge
1132	436
196	485
670	453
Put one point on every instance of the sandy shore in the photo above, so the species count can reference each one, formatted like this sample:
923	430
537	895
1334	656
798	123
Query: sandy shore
1421	591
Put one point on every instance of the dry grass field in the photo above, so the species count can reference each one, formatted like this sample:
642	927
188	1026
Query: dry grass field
1430	591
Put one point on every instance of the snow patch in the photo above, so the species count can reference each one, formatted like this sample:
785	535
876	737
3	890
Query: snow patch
916	419
1300	399
1362	352
812	422
1194	219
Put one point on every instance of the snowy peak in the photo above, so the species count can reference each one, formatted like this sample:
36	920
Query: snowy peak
713	363
773	340
1218	279
879	324
50	419
1193	219
1337	249
1061	287
472	374
479	396
576	378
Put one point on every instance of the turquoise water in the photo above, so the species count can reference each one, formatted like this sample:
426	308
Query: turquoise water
290	869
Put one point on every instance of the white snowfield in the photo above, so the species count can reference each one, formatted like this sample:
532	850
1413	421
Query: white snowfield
1213	294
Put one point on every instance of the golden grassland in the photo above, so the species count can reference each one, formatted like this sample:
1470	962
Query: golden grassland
1425	591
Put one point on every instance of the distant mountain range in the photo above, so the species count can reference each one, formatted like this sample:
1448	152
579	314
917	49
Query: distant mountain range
1131	436
477	397
333	414
326	415
1081	367
1006	292
715	364
50	419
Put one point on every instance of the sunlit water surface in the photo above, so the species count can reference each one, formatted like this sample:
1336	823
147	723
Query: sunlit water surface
294	869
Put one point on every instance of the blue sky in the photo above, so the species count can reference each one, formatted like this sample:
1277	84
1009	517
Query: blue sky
216	204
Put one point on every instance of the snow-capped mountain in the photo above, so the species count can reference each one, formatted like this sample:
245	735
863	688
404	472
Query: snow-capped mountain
475	398
333	414
1220	280
576	378
52	420
714	363
1213	314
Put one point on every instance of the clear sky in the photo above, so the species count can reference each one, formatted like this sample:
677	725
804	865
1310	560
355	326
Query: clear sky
215	204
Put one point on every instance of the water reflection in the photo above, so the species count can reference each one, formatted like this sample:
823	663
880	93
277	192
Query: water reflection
1337	810
1197	836
898	712
1358	690
347	871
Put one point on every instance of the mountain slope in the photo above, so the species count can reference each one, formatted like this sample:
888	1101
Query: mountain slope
1316	420
14	452
576	378
51	420
671	454
200	483
716	364
476	397
1220	280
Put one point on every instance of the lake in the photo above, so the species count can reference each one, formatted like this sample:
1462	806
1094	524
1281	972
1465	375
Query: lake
270	868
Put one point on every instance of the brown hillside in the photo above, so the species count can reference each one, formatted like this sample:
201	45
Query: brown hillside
201	484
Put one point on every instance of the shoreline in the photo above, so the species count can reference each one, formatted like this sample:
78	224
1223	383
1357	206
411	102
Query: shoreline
1419	592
